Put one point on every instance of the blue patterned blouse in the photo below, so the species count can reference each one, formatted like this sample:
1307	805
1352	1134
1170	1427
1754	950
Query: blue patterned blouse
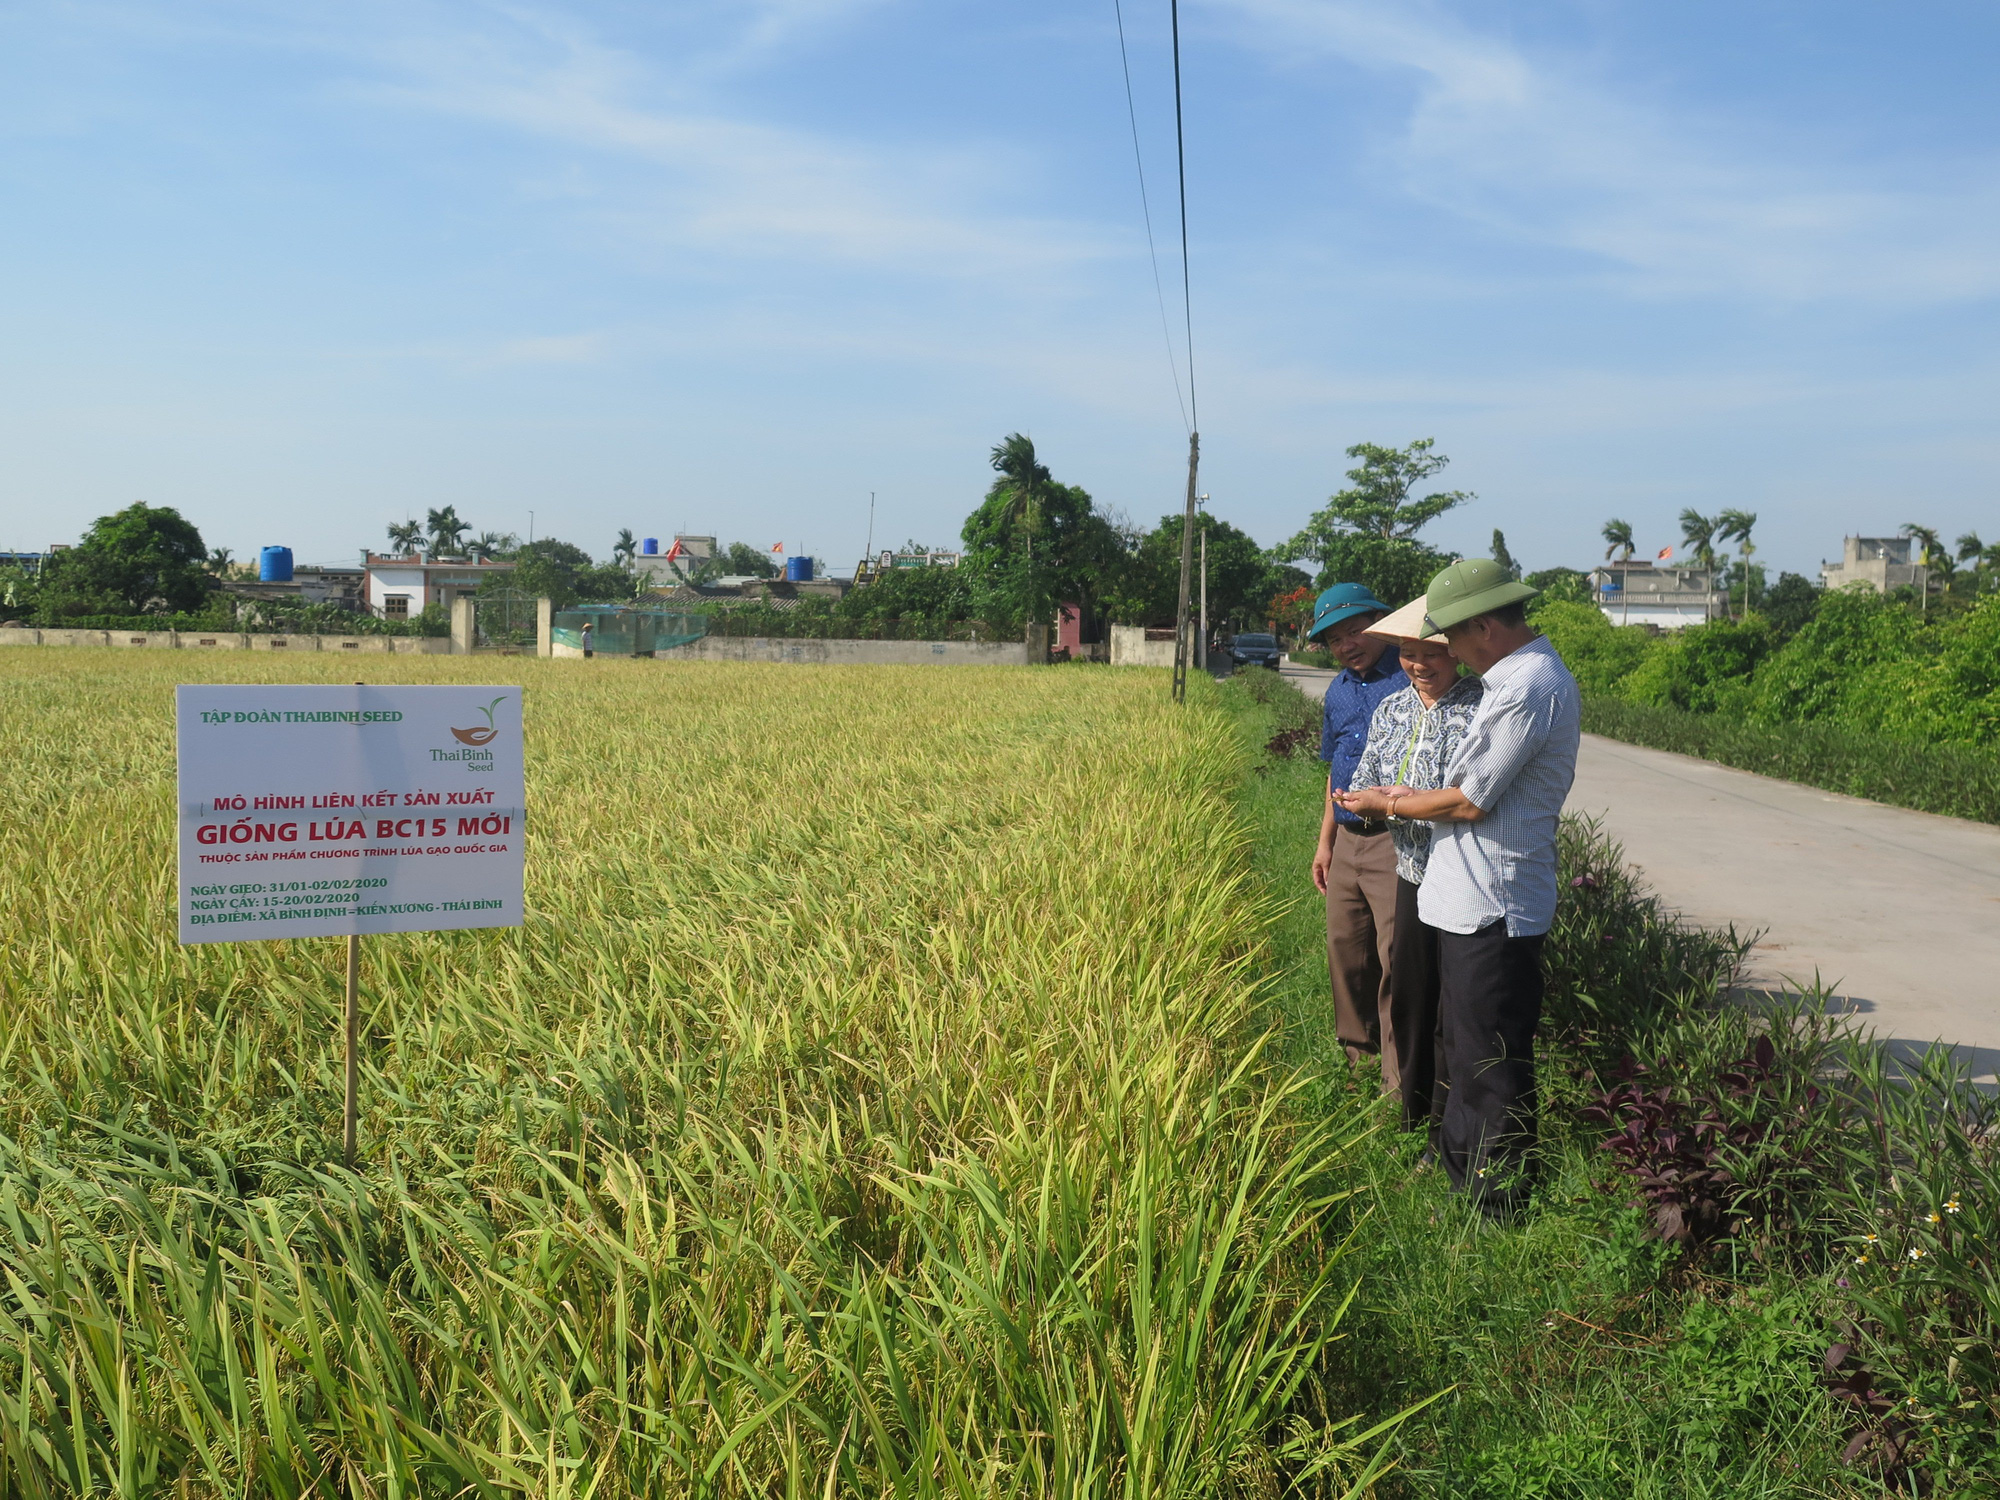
1410	745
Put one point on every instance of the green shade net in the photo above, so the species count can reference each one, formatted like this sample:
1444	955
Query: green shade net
618	631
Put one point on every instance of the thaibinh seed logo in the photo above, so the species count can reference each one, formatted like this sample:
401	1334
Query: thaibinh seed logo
480	734
472	742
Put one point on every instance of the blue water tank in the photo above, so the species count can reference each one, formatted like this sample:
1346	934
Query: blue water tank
650	547
798	570
275	566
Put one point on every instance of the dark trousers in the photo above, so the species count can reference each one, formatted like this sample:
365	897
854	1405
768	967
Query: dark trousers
1413	1013
1489	1004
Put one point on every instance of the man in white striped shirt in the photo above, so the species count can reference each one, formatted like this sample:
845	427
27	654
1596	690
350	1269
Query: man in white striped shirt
1490	886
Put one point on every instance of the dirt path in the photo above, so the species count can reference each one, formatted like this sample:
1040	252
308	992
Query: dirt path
1897	912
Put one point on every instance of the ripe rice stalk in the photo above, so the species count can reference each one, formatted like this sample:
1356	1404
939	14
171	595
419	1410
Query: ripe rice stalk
874	1102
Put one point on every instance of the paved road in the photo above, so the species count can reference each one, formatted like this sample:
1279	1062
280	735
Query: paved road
1897	912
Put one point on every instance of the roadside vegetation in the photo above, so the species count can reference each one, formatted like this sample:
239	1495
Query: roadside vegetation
1891	698
1761	1261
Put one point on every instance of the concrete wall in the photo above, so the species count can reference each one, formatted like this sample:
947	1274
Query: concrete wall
1130	648
878	653
224	640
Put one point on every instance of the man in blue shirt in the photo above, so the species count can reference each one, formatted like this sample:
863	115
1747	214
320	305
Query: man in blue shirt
1355	863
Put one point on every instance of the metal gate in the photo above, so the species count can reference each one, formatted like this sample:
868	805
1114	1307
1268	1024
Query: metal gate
504	621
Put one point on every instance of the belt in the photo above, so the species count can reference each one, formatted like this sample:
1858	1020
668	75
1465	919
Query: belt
1367	827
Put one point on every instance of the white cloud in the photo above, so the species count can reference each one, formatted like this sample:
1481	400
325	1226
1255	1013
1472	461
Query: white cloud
709	180
1545	148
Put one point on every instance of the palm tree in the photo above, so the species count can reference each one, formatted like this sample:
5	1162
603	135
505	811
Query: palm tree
1982	557
405	537
1027	480
1618	538
445	529
220	561
625	548
1735	526
488	545
1698	534
1930	553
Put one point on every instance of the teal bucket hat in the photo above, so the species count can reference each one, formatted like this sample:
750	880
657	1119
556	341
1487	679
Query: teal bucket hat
1341	601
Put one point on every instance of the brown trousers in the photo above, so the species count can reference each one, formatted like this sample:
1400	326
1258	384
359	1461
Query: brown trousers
1360	931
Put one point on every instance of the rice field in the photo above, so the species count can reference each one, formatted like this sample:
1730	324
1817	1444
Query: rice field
874	1104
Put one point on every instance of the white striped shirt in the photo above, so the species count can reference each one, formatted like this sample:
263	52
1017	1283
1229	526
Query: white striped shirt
1516	763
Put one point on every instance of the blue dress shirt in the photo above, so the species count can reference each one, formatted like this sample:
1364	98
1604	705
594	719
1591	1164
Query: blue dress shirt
1351	701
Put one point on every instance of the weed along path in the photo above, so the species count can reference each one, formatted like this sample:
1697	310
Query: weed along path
1898	912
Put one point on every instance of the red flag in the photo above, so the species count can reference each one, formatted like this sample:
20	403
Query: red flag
1664	554
780	547
676	550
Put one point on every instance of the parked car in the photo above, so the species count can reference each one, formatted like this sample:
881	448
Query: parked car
1255	651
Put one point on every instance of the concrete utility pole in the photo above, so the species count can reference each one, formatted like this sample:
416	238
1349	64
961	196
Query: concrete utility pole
1181	652
1201	655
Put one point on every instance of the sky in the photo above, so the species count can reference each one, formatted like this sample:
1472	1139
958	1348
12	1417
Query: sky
306	269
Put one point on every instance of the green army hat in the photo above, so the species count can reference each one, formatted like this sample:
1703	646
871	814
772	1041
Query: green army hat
1469	587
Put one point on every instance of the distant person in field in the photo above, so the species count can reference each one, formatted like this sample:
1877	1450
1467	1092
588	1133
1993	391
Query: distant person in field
589	640
1489	888
1354	866
1412	738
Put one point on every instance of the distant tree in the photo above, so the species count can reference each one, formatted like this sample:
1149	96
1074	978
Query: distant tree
1148	590
1735	526
1378	501
1279	579
1618	538
445	529
939	595
1034	543
405	537
741	559
1560	585
1985	561
1291	611
1367	532
1396	569
1790	604
143	559
625	548
1698	535
490	544
220	561
19	589
1502	556
1932	555
564	574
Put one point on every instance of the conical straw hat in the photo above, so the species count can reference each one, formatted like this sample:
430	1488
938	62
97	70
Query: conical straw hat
1406	623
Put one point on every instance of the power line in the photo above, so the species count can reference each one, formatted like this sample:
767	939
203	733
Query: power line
1146	208
1180	161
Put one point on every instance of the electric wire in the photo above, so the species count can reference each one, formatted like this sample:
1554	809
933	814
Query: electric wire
1146	209
1180	161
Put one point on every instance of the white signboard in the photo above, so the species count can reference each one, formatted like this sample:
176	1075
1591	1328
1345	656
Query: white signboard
325	811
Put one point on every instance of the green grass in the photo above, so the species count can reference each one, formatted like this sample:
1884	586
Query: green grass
1953	780
1585	1358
